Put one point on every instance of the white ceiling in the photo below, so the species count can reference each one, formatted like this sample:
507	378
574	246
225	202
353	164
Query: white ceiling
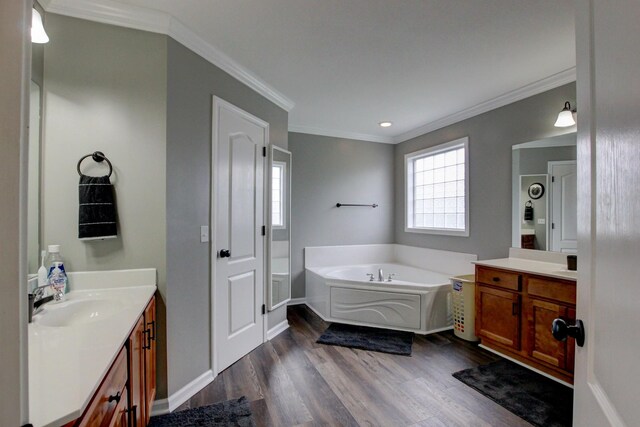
348	64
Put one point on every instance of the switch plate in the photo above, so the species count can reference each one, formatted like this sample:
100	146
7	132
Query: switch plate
541	221
204	233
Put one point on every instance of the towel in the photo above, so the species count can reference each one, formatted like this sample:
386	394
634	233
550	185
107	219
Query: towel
97	219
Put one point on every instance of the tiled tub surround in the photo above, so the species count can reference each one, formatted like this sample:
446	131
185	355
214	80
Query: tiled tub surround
417	299
67	363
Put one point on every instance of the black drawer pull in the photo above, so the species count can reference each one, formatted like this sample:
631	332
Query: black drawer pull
153	329
514	308
496	279
115	398
146	339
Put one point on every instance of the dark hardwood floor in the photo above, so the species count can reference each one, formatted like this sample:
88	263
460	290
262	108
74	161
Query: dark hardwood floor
292	381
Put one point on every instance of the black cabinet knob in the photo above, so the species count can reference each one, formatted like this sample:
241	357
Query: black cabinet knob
561	331
115	398
225	253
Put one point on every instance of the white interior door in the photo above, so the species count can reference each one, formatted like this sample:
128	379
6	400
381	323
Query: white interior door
239	251
607	380
564	206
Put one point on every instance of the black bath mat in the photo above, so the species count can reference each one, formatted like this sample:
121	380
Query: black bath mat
371	339
230	413
532	397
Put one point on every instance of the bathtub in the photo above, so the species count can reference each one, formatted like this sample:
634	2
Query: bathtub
414	300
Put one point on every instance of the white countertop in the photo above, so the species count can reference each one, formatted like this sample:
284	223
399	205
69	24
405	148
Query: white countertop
68	363
523	265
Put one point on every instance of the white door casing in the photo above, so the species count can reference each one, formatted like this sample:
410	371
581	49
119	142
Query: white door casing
563	200
238	214
608	91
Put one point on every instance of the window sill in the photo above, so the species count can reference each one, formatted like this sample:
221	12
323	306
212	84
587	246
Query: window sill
438	231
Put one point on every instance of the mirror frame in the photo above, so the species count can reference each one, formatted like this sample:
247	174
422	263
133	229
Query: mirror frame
274	148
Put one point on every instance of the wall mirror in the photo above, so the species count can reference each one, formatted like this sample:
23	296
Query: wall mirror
33	181
544	194
280	229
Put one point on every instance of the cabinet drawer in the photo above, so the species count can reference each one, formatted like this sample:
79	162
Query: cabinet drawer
499	278
551	289
101	411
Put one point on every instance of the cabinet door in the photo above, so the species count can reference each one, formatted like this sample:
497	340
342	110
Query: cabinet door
136	374
498	316
150	357
543	346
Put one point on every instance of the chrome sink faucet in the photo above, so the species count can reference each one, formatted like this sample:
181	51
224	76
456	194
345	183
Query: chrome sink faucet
37	300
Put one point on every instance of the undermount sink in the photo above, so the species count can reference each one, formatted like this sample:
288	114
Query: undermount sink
76	312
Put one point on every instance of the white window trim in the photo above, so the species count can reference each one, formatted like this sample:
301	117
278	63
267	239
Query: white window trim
408	183
283	177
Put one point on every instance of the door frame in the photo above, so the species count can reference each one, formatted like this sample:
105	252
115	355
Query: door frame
550	222
217	105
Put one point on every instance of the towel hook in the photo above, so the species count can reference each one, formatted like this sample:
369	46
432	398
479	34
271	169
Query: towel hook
98	157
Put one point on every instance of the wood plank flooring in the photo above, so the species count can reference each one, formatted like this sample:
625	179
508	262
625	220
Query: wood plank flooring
292	381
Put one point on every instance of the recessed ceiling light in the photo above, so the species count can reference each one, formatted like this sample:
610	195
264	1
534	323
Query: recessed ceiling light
385	124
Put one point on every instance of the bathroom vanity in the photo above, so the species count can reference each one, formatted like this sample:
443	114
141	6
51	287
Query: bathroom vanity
92	358
516	302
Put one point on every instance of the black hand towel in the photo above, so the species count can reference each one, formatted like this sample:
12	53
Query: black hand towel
97	219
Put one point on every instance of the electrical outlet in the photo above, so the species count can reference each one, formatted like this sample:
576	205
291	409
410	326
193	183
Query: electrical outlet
204	233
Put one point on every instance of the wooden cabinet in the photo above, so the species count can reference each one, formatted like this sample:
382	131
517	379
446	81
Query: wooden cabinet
514	312
103	407
126	394
150	358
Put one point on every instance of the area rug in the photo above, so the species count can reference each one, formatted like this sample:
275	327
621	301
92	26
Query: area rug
230	413
534	398
365	338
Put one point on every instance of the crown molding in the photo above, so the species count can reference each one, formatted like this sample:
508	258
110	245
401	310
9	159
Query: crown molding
341	134
548	83
114	13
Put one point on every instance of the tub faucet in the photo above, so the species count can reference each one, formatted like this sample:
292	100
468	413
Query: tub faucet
380	275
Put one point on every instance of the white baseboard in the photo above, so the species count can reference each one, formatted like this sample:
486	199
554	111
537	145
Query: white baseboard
276	330
297	301
171	403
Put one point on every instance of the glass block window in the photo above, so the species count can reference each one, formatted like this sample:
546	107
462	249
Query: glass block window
437	193
277	195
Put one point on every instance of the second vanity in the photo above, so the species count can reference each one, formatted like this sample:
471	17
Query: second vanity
517	299
92	357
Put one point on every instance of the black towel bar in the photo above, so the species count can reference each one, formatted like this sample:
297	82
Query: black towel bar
98	157
339	205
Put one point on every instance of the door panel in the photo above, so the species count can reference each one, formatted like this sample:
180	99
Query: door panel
239	214
564	200
544	347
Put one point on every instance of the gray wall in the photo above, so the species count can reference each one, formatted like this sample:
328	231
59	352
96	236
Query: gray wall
191	82
15	17
535	160
328	170
491	136
105	89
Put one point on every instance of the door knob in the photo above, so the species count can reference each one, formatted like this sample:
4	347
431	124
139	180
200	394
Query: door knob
561	331
225	253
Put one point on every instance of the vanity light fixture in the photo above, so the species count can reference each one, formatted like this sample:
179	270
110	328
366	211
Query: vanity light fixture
385	124
565	118
38	34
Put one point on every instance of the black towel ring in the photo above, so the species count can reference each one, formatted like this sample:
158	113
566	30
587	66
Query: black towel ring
97	156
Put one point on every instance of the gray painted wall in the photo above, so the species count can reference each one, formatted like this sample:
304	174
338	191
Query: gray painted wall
491	136
191	82
105	89
15	18
328	170
535	160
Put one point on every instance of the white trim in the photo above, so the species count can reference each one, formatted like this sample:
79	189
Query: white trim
278	329
408	182
564	140
140	18
297	301
531	368
311	130
542	85
171	403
